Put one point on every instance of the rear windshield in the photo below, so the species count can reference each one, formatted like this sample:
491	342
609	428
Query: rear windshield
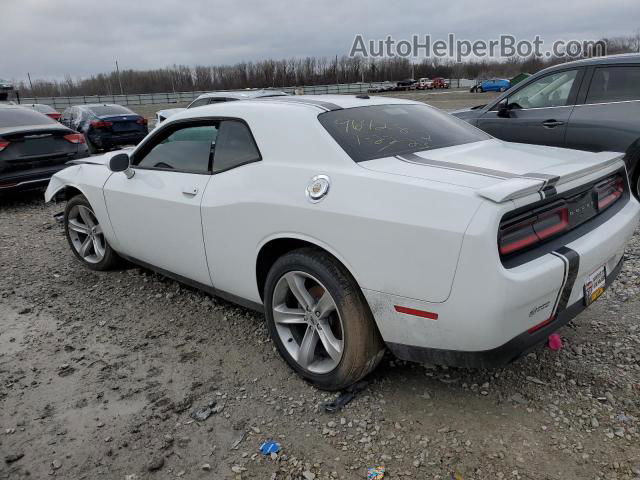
20	117
104	110
378	131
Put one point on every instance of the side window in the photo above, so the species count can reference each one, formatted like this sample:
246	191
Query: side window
235	146
186	149
614	84
198	103
550	91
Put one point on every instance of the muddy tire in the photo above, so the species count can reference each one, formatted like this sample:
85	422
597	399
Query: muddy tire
320	321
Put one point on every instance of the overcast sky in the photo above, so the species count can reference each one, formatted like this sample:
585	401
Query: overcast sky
51	38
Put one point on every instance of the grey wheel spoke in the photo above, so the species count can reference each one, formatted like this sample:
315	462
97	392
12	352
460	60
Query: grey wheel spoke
307	347
296	285
86	216
308	322
331	344
97	247
98	230
85	247
76	226
325	305
285	315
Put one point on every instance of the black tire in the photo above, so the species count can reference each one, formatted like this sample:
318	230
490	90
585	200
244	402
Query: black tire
632	159
110	258
92	148
363	347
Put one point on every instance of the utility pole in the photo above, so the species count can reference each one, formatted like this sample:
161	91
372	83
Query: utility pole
30	84
119	80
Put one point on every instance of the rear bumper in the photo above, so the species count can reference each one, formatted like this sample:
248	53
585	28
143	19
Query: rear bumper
114	140
486	318
499	356
33	178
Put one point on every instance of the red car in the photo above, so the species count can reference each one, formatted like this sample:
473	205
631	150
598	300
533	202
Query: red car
440	82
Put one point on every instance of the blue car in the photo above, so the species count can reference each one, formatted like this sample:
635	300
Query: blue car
106	126
495	85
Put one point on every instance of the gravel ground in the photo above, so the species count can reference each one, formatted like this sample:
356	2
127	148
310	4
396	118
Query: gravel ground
101	374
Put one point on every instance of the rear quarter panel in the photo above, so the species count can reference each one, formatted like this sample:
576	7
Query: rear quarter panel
395	234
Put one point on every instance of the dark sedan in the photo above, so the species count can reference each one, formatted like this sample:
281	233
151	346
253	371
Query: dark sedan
591	104
106	126
33	147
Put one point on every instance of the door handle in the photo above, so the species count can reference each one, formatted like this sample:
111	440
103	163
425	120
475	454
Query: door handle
190	190
552	123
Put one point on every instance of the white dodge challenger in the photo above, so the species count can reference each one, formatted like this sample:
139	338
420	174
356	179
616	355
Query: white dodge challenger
359	223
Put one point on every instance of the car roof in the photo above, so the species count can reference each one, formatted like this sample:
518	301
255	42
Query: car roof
314	104
607	60
243	94
91	105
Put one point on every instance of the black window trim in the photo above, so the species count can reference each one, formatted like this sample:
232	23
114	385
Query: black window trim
571	100
150	142
588	80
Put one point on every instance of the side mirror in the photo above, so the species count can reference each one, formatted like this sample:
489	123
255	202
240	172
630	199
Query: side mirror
121	163
504	111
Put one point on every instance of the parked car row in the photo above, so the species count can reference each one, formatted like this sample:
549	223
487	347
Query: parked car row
411	84
36	141
33	146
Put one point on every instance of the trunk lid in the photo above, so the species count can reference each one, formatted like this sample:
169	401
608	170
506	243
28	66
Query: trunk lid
496	170
35	147
124	123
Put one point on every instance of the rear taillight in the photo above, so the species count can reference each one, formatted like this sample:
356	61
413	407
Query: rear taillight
607	192
142	121
100	124
3	144
521	233
55	116
74	138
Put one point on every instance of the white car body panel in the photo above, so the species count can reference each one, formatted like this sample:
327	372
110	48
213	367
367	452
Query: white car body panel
420	235
141	208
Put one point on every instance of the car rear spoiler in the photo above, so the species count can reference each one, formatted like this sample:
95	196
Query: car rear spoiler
523	185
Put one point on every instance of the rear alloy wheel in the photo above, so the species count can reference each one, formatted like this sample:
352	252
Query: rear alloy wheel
85	235
320	321
307	321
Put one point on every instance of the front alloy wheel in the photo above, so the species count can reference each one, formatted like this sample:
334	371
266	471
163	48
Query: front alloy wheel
86	236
